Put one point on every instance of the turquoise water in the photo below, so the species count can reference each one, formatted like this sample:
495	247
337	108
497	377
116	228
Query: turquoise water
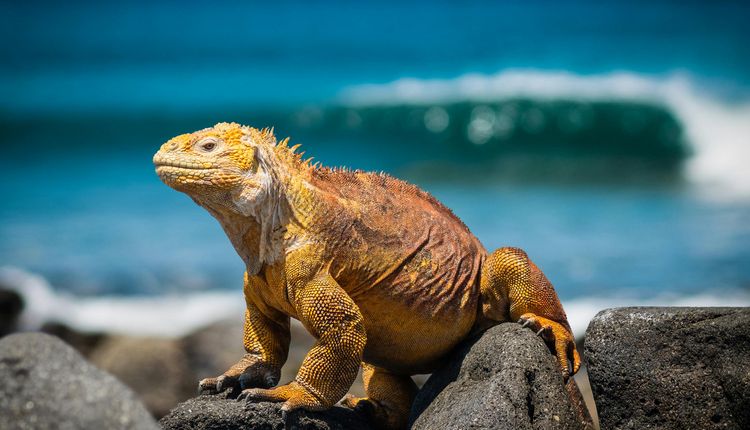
608	140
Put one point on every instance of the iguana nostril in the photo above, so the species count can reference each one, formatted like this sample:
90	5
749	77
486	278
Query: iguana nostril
173	146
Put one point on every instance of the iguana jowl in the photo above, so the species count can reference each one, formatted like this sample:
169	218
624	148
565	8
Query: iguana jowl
380	272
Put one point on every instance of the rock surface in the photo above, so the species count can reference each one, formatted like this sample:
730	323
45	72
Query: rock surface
85	343
213	349
46	384
671	367
507	379
138	362
178	363
218	412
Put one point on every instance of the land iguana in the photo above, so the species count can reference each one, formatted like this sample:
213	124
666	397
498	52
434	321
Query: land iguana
378	271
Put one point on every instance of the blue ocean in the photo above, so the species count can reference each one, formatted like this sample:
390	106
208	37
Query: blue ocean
610	140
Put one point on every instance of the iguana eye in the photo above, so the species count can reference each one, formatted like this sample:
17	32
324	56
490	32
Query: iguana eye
207	145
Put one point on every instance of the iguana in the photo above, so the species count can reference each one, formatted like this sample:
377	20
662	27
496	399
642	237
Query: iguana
378	271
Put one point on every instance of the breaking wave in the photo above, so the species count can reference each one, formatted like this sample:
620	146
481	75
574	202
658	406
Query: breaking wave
623	124
620	114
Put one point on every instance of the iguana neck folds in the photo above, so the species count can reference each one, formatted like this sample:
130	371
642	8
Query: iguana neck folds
260	218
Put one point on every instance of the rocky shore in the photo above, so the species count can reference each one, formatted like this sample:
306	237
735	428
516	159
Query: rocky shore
649	368
505	379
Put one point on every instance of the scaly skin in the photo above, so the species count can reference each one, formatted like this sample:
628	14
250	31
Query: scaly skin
377	270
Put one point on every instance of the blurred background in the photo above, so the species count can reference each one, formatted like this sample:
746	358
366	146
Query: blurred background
611	140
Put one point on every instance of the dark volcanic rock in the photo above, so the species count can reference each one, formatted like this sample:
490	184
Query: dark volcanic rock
11	305
507	379
671	367
48	385
217	412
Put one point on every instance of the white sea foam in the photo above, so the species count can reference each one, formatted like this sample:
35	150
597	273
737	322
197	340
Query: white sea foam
718	131
168	315
178	315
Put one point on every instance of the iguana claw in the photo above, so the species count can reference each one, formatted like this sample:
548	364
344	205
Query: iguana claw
218	384
361	404
294	396
558	338
247	373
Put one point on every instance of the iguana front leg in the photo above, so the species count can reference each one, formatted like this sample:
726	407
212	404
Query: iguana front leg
331	365
514	288
266	340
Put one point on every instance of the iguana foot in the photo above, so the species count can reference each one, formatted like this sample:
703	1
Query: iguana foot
558	338
380	415
294	396
218	384
389	397
247	373
360	404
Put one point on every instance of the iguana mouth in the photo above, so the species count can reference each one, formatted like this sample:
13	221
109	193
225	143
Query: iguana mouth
162	162
182	166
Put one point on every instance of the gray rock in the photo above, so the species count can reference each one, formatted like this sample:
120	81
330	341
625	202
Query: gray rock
217	412
506	379
48	385
671	367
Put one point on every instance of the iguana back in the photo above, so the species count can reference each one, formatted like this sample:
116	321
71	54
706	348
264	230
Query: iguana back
388	234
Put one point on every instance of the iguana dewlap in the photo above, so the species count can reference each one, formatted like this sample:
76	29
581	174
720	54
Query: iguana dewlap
380	272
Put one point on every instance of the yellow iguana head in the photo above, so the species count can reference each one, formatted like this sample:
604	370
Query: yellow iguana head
217	164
